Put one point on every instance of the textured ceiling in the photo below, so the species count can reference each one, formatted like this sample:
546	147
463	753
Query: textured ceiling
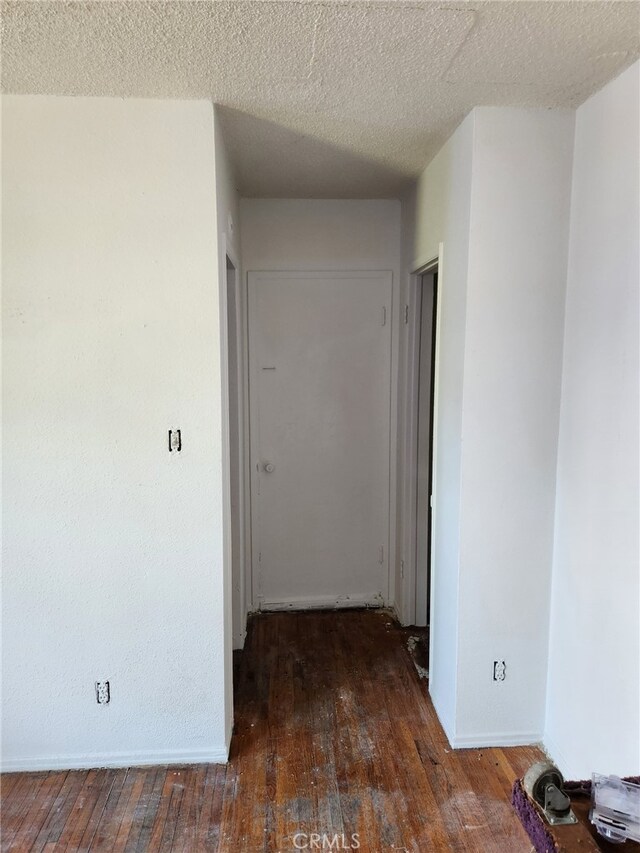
324	99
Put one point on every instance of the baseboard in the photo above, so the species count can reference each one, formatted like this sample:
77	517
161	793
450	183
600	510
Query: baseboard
394	612
486	741
113	759
238	641
323	602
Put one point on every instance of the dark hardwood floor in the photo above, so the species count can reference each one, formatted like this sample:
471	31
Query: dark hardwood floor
334	734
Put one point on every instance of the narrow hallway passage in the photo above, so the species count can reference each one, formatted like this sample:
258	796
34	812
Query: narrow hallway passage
335	734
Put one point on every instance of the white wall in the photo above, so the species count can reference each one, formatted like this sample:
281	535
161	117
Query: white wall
319	234
593	700
497	197
521	187
112	545
443	211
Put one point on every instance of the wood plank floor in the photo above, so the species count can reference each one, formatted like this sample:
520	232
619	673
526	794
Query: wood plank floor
334	734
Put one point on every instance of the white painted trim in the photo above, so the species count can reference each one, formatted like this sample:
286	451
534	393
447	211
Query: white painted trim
227	537
411	373
410	415
91	761
319	601
486	741
248	552
393	610
434	439
254	433
242	416
430	266
422	265
227	251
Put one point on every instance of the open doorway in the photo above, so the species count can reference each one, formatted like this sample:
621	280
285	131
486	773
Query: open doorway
427	284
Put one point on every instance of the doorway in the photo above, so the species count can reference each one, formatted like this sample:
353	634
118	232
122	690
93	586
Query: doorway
320	380
235	373
420	430
427	298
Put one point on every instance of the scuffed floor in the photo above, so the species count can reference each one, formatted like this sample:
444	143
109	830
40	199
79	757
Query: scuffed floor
418	648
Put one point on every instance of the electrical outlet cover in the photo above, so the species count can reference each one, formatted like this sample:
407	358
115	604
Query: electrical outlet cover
103	692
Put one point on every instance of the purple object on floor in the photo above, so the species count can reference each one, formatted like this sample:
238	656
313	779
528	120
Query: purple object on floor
530	818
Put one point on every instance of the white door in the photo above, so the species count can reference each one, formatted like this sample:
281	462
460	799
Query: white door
320	379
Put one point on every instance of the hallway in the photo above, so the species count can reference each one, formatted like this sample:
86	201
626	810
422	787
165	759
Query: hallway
334	734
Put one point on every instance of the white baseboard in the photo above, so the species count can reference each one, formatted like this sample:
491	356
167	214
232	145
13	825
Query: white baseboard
238	641
394	613
321	601
112	759
486	741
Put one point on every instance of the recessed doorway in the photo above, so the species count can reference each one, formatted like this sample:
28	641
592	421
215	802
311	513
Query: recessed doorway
427	294
420	426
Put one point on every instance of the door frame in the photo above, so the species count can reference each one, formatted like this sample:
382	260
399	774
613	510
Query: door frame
410	612
254	599
243	565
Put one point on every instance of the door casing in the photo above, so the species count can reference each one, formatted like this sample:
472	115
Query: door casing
410	614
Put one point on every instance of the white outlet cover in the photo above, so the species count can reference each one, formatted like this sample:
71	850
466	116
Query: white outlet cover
103	692
499	670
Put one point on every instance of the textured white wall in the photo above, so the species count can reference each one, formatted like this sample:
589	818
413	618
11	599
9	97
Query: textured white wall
443	211
521	188
497	197
112	545
593	700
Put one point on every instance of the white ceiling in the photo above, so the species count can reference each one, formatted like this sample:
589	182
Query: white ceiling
339	98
